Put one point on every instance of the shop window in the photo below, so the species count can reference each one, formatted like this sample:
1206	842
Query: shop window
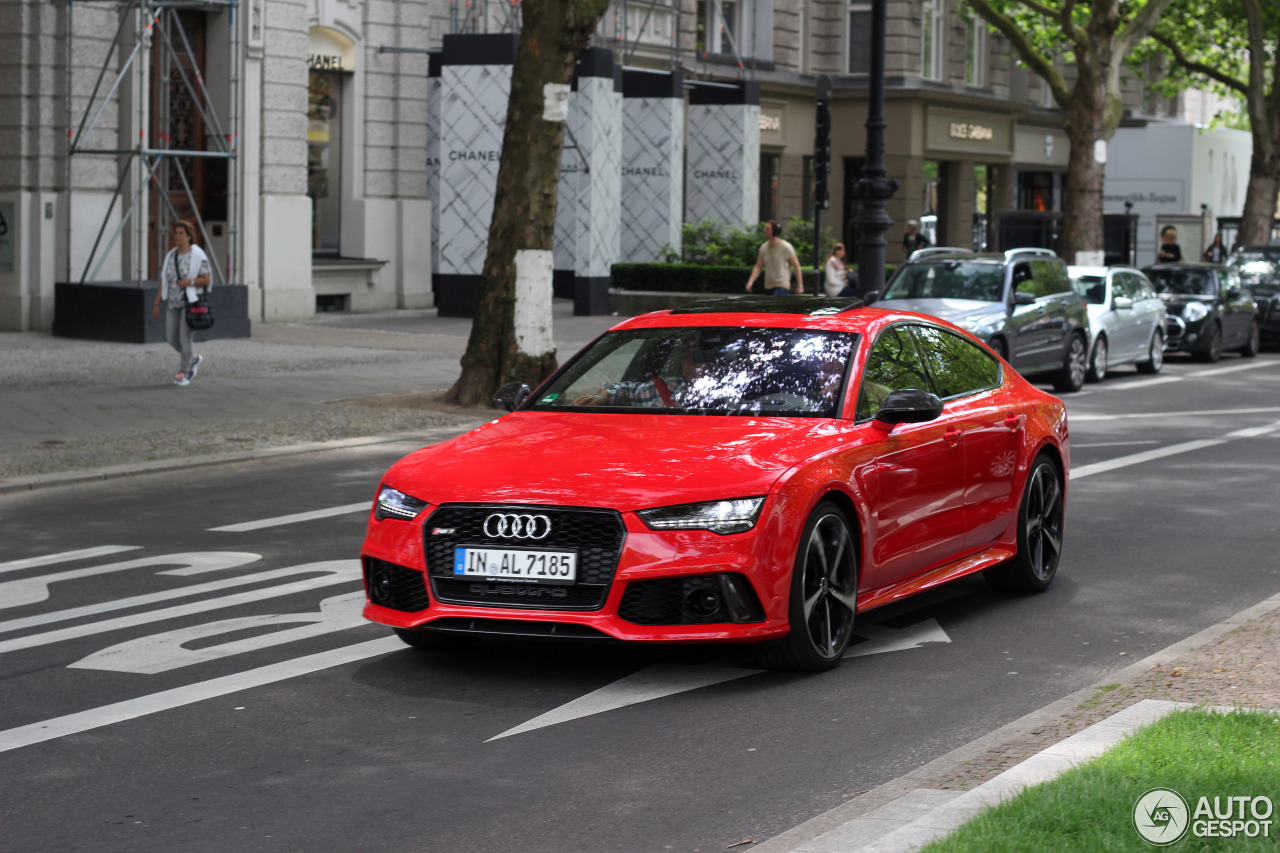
324	161
932	27
1035	191
975	51
770	172
859	38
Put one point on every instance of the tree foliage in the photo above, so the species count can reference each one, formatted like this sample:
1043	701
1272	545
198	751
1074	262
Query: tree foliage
1209	46
1093	38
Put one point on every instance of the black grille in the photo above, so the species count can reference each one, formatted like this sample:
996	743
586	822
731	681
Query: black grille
395	587
596	535
676	601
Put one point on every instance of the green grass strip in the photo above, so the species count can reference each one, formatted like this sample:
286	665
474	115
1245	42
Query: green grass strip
1197	753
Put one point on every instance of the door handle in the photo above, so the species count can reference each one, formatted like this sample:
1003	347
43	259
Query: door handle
1015	422
952	436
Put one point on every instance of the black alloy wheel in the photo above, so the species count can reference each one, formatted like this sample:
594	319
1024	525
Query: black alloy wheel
1254	344
1098	361
1212	350
1040	530
1071	376
824	596
1155	354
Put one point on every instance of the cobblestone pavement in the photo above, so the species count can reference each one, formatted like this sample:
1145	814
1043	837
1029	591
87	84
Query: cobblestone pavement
1241	667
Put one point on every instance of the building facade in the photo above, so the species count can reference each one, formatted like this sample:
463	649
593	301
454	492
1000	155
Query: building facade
300	132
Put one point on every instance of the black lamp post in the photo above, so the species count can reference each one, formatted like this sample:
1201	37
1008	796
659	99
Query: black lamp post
874	188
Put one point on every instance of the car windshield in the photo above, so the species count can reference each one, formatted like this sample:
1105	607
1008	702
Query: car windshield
1255	268
1092	287
706	371
983	282
1183	281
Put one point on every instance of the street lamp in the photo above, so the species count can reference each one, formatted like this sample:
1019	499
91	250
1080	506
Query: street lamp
874	188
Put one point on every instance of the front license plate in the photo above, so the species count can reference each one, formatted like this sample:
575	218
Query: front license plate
554	567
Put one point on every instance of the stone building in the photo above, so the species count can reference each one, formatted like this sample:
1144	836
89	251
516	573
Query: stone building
298	131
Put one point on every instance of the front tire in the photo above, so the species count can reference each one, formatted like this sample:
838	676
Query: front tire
1071	376
824	596
1098	361
1040	518
1213	345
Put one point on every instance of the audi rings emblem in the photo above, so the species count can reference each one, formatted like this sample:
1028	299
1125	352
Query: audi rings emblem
507	525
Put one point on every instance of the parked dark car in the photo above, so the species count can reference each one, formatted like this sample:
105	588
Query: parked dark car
1020	303
1259	269
1209	311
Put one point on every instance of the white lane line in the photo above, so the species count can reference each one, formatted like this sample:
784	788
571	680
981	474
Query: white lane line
1144	456
130	709
1075	446
336	571
1235	368
1136	385
296	517
65	557
148	598
1173	416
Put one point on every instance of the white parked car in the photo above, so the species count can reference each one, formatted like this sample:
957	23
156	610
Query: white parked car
1126	319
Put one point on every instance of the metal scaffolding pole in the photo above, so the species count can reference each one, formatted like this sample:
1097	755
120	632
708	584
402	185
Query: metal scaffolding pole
162	64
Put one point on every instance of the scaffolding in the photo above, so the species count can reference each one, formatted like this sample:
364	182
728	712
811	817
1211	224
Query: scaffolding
161	58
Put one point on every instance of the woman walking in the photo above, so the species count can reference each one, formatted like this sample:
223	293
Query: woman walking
185	269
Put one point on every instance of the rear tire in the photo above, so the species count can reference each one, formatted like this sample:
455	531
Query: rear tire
1071	377
1040	520
435	641
1155	355
824	596
1254	344
1098	360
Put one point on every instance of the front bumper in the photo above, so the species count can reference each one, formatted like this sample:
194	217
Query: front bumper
656	586
1179	336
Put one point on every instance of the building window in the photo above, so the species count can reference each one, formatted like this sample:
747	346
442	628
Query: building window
975	51
741	27
324	161
859	38
931	30
1035	191
770	171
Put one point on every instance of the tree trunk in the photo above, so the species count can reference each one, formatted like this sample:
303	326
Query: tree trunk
511	334
1264	184
1086	173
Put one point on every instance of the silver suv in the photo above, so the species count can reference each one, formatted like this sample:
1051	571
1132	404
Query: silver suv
1021	303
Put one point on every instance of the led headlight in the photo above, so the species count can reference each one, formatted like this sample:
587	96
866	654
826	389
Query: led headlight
728	516
396	504
1195	312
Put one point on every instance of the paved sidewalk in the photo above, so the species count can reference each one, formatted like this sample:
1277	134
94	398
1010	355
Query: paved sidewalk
69	404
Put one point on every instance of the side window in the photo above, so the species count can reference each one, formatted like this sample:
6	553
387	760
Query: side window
958	366
1023	280
1122	285
894	364
1143	288
1050	278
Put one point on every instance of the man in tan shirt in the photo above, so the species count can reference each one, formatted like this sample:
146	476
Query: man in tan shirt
777	258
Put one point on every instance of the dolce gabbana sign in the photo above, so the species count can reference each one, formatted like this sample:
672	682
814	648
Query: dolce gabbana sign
964	132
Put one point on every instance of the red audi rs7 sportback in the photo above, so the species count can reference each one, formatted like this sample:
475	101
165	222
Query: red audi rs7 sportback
750	470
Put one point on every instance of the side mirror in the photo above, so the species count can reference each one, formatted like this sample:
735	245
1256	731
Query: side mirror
871	297
908	406
1122	302
511	395
1021	297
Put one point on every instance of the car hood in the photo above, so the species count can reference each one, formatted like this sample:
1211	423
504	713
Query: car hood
626	462
958	311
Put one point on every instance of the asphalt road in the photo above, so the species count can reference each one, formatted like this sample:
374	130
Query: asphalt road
208	686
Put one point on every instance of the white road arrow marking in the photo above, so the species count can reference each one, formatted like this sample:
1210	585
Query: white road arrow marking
651	683
882	639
